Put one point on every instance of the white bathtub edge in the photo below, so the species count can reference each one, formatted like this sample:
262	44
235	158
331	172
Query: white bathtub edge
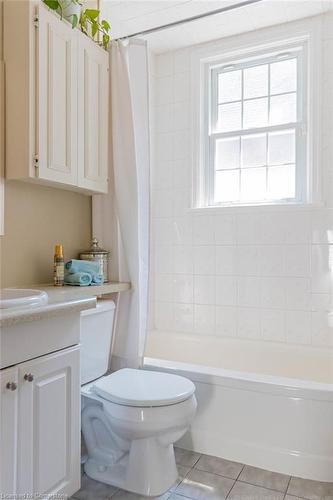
243	380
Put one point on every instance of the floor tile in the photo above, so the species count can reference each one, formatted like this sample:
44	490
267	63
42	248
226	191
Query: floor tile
94	490
261	477
126	495
182	473
245	491
201	485
186	458
311	490
290	497
220	466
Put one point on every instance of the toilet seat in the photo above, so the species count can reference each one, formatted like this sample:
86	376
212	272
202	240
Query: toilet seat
143	388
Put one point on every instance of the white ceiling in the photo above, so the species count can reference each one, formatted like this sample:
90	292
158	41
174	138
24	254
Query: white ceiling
130	16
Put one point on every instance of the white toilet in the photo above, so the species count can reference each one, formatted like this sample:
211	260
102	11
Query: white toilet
131	418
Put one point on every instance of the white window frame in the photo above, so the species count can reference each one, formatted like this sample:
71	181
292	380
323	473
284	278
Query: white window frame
246	47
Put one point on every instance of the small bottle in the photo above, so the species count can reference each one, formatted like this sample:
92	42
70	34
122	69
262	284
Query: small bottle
59	266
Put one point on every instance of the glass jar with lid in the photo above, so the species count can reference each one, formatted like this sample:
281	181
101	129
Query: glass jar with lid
99	255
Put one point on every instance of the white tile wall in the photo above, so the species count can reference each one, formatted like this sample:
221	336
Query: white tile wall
257	273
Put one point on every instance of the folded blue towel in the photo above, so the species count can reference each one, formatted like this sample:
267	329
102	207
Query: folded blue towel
97	279
78	279
82	266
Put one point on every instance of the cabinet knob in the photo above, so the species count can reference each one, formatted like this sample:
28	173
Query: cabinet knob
11	386
28	377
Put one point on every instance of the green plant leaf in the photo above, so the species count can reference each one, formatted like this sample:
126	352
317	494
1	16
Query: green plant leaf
92	14
105	25
52	4
75	20
94	28
106	40
83	23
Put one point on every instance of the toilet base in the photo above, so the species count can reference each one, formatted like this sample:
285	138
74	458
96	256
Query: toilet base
148	469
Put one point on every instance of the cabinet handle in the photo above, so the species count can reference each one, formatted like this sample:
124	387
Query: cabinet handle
28	377
11	386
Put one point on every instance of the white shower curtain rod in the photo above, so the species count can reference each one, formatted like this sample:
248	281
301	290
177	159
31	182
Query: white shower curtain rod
189	19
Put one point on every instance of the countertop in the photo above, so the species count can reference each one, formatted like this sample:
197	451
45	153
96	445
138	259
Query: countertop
61	300
68	292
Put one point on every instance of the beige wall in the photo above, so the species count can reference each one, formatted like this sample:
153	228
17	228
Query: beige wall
36	218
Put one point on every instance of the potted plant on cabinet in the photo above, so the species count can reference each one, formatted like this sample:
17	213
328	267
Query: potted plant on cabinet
86	19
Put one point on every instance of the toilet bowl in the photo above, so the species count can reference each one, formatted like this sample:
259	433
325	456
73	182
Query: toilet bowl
130	418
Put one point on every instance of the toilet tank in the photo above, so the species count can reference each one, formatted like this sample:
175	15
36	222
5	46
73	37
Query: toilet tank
96	336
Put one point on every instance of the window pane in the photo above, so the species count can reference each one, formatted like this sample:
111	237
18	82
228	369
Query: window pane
256	81
229	117
255	113
230	86
226	185
283	109
281	182
283	76
281	147
254	150
253	184
227	153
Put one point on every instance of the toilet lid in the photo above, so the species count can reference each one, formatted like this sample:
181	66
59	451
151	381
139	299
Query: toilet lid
143	388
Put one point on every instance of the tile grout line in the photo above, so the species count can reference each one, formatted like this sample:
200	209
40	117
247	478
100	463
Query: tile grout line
191	467
242	480
195	463
303	498
286	493
293	496
264	487
181	495
221	475
114	493
232	487
237	478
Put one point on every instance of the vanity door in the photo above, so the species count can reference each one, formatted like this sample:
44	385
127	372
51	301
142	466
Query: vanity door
49	424
8	431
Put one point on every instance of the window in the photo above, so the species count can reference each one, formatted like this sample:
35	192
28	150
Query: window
255	135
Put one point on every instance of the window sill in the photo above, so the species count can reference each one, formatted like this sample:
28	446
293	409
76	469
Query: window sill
260	207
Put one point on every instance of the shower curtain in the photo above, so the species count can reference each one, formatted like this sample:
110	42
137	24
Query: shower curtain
121	218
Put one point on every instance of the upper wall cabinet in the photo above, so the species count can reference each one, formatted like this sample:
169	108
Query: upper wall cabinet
93	120
57	90
57	100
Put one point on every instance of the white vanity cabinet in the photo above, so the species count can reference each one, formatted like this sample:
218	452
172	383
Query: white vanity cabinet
8	430
57	90
40	426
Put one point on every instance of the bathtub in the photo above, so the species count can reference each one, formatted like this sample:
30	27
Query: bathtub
265	404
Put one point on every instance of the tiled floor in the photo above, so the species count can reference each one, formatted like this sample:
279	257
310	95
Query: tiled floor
202	477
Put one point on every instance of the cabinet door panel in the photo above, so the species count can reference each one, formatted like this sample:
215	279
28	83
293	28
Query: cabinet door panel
49	424
57	99
8	431
93	117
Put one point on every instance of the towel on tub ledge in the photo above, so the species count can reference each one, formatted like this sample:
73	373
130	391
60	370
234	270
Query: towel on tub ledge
82	266
78	279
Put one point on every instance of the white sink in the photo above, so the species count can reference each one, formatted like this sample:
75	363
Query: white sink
16	297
